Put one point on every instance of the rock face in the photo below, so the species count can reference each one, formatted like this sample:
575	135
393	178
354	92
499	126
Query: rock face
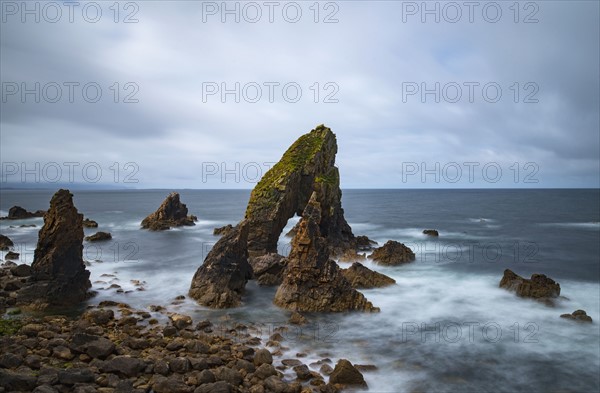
307	166
99	236
171	213
578	315
361	277
59	276
431	232
268	269
392	253
313	282
5	243
538	287
220	281
222	230
18	213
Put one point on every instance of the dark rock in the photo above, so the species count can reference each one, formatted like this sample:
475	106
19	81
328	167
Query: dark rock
326	369
59	275
229	375
220	281
180	365
538	287
264	371
275	384
392	253
361	277
312	282
170	385
303	372
346	374
171	213
14	381
11	255
5	243
307	166
93	346
217	387
100	317
10	360
181	321
222	230
124	365
431	232
263	356
363	243
18	213
578	315
268	269
99	236
75	375
22	270
87	223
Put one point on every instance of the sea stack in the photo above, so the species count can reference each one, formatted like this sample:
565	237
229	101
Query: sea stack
59	276
313	282
171	213
307	166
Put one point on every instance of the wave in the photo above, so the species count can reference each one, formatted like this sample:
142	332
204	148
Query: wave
592	225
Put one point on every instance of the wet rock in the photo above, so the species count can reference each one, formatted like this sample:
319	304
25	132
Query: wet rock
268	269
171	213
538	287
18	213
59	275
284	191
264	371
75	375
578	315
431	232
312	282
361	277
11	255
93	346
15	381
346	374
99	236
302	372
170	385
229	375
10	360
392	253
297	319
217	387
124	365
222	230
100	317
5	243
87	223
220	281
363	243
181	321
263	356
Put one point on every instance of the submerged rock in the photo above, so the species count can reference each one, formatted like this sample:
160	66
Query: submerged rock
99	236
431	232
59	276
392	253
18	213
578	315
268	269
307	166
361	277
538	287
171	213
220	281
313	282
363	243
5	243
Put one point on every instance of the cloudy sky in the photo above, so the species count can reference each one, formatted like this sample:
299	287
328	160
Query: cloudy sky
487	95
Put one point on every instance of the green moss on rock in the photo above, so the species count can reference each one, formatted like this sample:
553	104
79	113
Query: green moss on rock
9	326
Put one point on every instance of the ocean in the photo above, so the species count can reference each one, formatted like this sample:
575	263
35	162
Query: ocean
444	327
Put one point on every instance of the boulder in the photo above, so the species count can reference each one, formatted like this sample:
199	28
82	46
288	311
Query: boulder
578	315
21	270
222	230
87	223
5	243
12	255
361	277
392	253
18	213
538	287
59	276
268	269
284	191
363	243
431	232
346	375
99	236
313	282
171	213
220	281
